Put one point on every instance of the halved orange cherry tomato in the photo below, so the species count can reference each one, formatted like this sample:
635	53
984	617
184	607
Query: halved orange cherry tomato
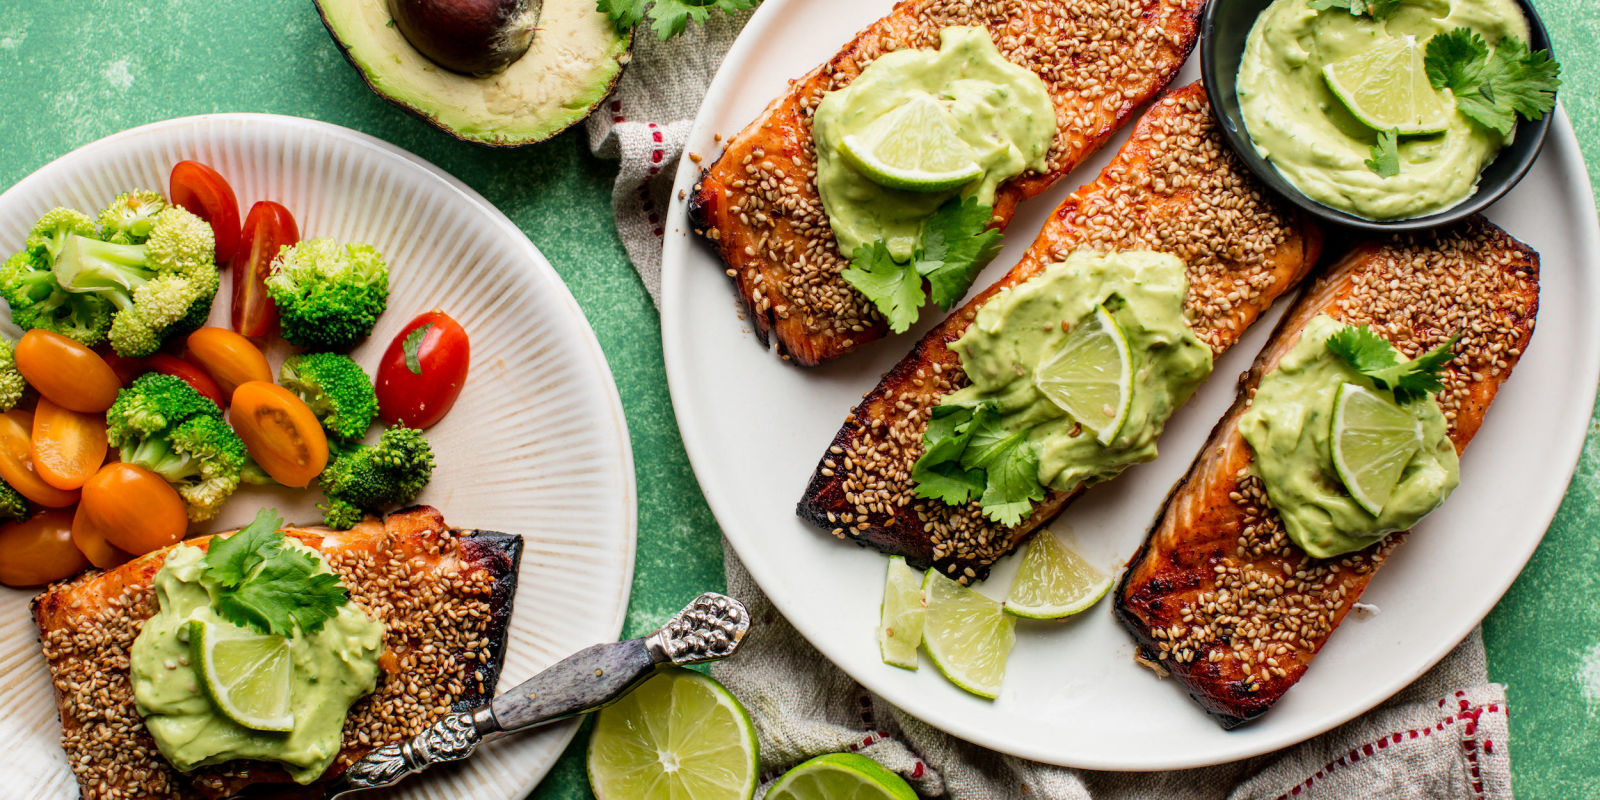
16	462
91	541
39	550
228	358
268	228
133	508
421	397
200	190
281	433
70	375
68	447
191	374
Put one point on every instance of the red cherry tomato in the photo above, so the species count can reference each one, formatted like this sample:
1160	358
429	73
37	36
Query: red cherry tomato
200	190
268	228
126	369
421	397
191	374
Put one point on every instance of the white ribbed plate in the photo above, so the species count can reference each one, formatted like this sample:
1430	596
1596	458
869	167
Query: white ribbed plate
536	445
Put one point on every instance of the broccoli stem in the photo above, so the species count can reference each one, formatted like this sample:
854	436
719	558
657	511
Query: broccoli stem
156	454
112	270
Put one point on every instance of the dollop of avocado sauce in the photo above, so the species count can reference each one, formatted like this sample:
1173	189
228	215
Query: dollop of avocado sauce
1296	122
1003	111
333	668
1288	426
1021	327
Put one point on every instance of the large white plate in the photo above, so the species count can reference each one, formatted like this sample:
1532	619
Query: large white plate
755	427
536	445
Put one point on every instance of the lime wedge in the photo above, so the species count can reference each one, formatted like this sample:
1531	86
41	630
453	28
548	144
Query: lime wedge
914	148
1387	88
1372	440
678	736
967	635
840	776
1053	581
1091	375
246	674
902	614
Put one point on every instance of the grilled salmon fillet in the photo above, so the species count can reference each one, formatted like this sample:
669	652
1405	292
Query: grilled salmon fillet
1174	187
1218	596
443	595
758	207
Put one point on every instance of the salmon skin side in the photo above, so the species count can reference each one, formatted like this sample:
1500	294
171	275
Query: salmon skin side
1217	596
757	205
1174	187
444	596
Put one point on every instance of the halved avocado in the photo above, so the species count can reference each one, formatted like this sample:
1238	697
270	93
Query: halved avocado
571	66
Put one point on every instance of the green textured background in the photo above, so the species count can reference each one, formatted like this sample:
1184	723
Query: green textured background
74	71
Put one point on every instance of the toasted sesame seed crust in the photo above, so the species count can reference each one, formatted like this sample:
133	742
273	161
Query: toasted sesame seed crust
1174	187
1218	595
444	597
758	207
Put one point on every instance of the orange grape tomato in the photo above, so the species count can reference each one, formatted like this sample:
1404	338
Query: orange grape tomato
16	462
228	358
281	433
39	550
91	541
70	375
68	447
133	508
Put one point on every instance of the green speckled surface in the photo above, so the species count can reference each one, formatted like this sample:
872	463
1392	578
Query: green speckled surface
74	71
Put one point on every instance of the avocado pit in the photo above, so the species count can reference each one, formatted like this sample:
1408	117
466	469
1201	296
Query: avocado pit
472	37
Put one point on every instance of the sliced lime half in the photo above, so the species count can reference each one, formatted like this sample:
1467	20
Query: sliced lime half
914	148
247	675
1387	88
840	776
902	615
1372	439
1090	376
1054	582
967	635
678	736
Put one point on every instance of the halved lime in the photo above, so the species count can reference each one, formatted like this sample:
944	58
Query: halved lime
1387	88
1091	375
1053	581
249	676
967	635
914	148
1372	440
840	776
902	614
678	736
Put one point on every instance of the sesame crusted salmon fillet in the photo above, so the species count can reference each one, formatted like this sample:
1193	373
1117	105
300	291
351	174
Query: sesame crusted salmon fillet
1174	187
1218	596
443	595
758	206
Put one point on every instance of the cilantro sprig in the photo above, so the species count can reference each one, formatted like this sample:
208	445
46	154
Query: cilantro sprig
955	244
1493	86
967	454
1377	9
1373	356
1386	154
668	18
262	584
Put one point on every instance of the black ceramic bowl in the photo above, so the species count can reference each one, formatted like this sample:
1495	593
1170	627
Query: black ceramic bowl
1222	35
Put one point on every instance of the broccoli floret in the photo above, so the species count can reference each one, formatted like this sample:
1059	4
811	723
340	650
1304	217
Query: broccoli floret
29	287
13	506
328	295
336	389
130	217
12	384
162	424
364	478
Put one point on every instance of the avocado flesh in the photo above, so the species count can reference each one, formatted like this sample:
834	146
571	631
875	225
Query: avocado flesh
574	61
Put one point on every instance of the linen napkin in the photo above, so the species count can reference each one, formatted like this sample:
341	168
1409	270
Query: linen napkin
1445	736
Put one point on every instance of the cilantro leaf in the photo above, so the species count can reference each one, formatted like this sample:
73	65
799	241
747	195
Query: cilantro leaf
938	473
1454	60
412	347
1377	9
969	455
230	560
668	18
1373	356
1524	80
1013	472
625	14
1493	87
1386	154
895	288
262	584
956	245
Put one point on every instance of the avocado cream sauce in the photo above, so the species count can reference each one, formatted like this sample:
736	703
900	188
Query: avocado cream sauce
333	668
1021	327
1288	425
1003	111
1297	123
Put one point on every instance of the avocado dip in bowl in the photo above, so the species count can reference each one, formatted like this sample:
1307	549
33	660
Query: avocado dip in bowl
1322	148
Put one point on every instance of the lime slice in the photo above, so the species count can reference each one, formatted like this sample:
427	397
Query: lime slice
1386	87
1091	375
840	776
678	736
902	614
967	635
246	674
914	148
1054	582
1372	440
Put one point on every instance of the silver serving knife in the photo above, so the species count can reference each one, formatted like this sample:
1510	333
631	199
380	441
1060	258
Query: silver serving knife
707	629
